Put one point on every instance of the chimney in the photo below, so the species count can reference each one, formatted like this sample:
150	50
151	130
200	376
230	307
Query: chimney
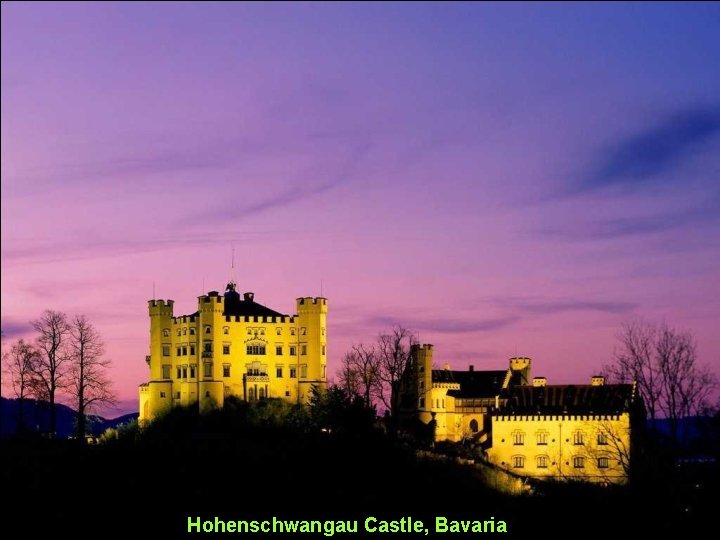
597	380
447	367
539	381
248	296
472	368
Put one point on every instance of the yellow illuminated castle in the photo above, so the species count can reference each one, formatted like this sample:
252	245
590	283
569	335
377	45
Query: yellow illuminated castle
580	432
233	346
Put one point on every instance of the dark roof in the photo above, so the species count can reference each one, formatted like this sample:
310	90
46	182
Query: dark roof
572	399
252	309
472	383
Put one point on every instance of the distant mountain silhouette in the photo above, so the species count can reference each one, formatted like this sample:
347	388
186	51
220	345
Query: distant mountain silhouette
37	418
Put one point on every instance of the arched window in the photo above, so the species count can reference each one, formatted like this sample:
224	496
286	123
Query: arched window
251	394
166	332
542	462
474	425
261	393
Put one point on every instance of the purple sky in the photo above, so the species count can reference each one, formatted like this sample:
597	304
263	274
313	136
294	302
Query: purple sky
500	178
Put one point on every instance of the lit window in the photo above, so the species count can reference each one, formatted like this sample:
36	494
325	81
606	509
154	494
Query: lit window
208	369
542	462
293	350
226	349
518	438
603	463
226	370
303	350
293	372
303	371
602	439
578	438
166	350
518	462
542	437
579	462
278	350
278	372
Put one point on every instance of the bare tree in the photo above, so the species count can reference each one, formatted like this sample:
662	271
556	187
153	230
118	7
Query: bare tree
393	358
88	380
359	372
663	363
50	369
18	365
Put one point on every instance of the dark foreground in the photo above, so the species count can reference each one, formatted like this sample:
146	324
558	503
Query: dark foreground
147	487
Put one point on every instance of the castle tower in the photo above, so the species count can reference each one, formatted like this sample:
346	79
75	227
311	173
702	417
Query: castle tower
155	395
311	346
423	357
520	370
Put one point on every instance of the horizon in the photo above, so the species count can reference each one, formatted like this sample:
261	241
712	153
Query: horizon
505	180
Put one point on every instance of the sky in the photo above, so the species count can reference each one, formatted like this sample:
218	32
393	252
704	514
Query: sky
501	178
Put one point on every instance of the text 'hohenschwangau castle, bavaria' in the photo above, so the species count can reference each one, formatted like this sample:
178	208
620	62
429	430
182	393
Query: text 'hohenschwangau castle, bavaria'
233	346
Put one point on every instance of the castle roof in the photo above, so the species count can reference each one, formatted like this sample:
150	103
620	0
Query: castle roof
570	399
472	383
250	308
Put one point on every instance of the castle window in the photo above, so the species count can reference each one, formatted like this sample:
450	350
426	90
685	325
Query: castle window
179	373
443	403
542	438
322	330
278	350
293	350
421	403
603	463
422	385
474	426
251	394
278	331
292	331
226	330
192	350
303	350
184	331
192	371
184	370
192	331
179	351
249	331
226	349
518	438
166	350
518	462
261	393
177	395
207	393
303	331
303	371
208	369
262	331
322	349
542	462
166	371
579	462
602	439
293	372
578	438
322	367
162	394
166	332
184	351
226	370
287	393
179	332
207	329
256	350
278	372
207	346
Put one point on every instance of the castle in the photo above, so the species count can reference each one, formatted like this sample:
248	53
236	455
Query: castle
532	429
233	346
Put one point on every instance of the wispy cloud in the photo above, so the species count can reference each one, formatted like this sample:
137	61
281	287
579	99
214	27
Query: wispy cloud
655	150
552	306
445	326
12	329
